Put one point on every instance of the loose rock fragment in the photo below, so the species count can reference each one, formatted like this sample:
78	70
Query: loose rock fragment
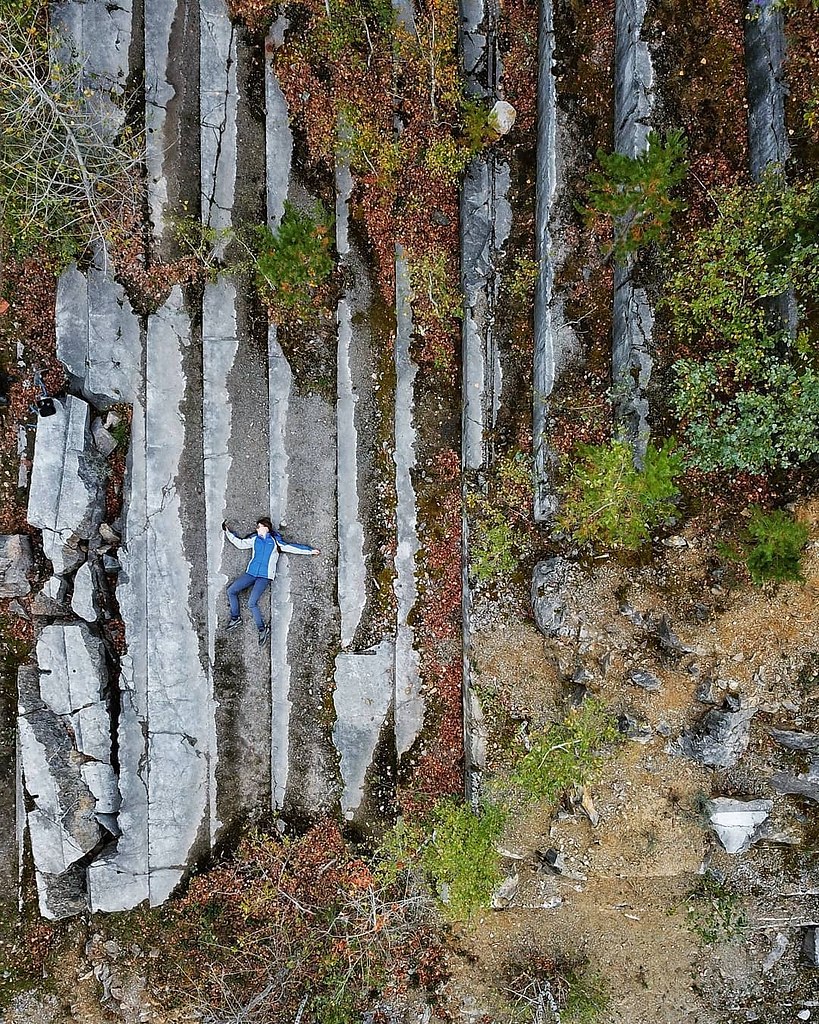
553	603
737	823
719	739
15	564
644	679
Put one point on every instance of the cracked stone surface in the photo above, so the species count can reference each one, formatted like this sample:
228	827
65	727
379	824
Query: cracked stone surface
632	316
764	60
15	564
159	93
97	34
409	702
64	727
218	101
66	484
486	220
82	601
165	695
97	333
554	340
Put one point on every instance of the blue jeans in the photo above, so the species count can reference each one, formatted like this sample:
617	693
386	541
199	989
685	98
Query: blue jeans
259	584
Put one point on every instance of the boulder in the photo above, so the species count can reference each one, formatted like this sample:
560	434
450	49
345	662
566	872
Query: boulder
502	117
15	565
633	729
798	785
50	601
719	739
554	606
737	823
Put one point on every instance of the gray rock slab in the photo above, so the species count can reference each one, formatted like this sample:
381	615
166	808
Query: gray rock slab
16	563
218	102
92	731
280	382
102	783
719	739
644	679
96	34
554	340
82	601
362	698
765	50
352	573
159	94
219	347
737	823
409	701
104	440
98	333
278	136
166	719
486	220
797	785
632	317
72	667
631	361
65	495
633	79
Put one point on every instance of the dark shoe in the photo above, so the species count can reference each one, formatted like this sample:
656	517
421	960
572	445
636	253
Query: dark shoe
264	636
232	624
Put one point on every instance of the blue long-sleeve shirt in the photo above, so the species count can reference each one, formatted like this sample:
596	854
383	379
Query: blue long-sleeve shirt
266	551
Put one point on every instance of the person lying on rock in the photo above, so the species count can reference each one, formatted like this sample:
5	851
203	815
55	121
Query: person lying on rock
266	544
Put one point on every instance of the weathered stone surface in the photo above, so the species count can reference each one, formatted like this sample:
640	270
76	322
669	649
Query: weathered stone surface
798	785
553	604
362	698
164	782
66	484
62	823
737	823
218	101
794	740
98	335
82	601
719	739
810	945
72	668
51	599
767	88
409	701
15	565
644	679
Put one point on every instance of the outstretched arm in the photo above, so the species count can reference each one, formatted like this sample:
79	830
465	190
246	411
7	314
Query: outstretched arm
238	542
290	548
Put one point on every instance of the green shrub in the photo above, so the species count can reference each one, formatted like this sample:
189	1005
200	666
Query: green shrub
294	261
634	193
609	502
777	551
567	753
749	408
461	856
492	546
751	402
479	133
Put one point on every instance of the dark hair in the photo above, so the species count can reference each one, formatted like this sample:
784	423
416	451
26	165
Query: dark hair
264	521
